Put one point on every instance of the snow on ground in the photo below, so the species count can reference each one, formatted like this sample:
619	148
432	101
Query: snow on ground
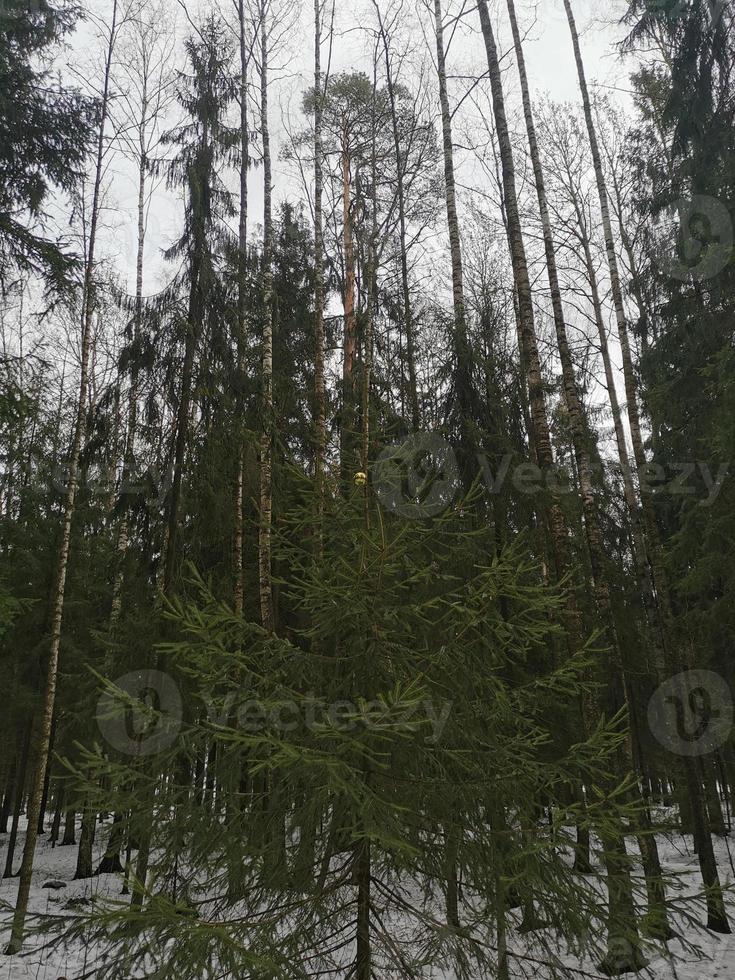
677	856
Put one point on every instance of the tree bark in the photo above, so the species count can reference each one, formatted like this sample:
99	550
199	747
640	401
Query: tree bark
110	863
372	298
18	794
584	444
408	323
363	957
84	867
349	345
717	917
57	601
132	415
266	445
529	342
46	782
237	540
320	400
56	822
69	838
622	916
464	375
7	806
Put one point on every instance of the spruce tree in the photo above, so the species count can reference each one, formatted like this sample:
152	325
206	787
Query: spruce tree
46	130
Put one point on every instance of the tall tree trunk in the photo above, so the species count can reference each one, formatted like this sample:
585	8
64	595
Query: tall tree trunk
234	810
8	794
58	810
320	400
46	781
464	376
199	287
716	914
640	552
363	954
582	437
132	415
84	867
237	540
266	445
44	803
70	817
18	794
408	323
349	346
584	446
622	923
372	298
182	431
529	341
57	600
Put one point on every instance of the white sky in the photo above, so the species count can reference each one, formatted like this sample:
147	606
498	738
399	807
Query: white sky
548	56
549	60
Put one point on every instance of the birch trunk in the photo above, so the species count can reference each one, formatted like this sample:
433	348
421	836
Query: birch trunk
320	400
716	914
660	580
349	344
233	809
529	342
622	924
237	538
57	599
640	550
582	439
266	446
408	323
464	380
132	416
581	434
372	274
46	781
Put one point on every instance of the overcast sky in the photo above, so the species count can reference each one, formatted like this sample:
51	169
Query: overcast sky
548	55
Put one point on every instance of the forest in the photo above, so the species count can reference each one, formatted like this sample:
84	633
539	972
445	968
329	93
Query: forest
367	502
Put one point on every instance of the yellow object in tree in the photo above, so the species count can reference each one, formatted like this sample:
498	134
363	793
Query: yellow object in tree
360	479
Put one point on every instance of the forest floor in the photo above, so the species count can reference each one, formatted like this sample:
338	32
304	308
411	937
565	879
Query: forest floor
713	958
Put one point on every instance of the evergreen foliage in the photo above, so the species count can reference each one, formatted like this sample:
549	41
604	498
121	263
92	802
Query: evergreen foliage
45	133
440	752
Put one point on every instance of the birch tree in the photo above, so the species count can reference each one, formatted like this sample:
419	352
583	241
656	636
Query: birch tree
716	914
583	443
88	304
